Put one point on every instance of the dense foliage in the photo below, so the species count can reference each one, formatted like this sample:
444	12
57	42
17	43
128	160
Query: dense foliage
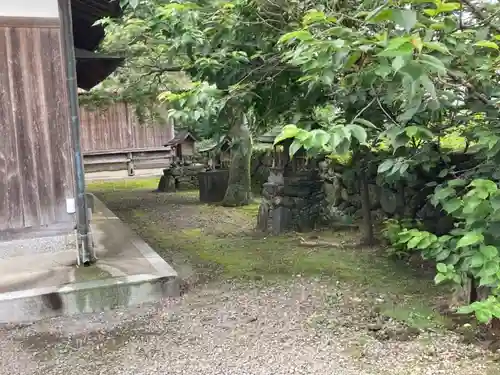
346	76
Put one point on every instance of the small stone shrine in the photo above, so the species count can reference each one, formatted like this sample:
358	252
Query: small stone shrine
292	195
183	172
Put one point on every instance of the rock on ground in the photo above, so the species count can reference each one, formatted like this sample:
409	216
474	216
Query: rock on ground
303	327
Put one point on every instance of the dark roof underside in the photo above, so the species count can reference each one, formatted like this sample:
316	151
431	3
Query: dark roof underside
84	14
92	68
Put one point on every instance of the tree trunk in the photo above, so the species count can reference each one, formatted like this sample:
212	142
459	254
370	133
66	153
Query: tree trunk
367	226
360	163
239	192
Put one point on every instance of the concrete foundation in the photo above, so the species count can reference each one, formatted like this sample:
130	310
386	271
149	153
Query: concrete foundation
128	272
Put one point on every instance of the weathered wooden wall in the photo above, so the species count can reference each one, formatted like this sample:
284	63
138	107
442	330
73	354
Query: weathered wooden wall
116	127
36	166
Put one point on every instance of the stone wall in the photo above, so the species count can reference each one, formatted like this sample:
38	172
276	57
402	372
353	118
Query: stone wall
180	177
342	201
291	201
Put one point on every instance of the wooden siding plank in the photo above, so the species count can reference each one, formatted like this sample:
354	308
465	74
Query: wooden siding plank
42	55
43	199
21	123
10	189
62	161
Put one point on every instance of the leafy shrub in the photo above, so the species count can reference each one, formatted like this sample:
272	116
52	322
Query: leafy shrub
470	250
391	233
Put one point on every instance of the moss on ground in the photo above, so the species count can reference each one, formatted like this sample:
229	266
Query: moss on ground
129	184
218	243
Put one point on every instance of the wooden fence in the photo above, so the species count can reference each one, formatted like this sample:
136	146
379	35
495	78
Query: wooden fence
117	128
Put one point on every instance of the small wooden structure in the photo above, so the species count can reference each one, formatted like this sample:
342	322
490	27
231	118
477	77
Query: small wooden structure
281	152
183	146
218	153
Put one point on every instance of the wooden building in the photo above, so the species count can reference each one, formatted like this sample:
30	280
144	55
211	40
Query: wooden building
36	154
117	127
113	138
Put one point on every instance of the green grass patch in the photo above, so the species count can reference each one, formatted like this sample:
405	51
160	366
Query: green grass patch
218	244
129	184
416	313
249	257
250	210
275	258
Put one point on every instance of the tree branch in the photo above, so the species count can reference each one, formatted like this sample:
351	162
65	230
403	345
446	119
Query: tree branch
479	13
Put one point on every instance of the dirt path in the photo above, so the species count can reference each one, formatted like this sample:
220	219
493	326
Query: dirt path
291	319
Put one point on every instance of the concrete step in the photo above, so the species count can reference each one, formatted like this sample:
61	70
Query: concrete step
47	283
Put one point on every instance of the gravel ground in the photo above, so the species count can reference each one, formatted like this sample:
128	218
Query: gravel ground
303	327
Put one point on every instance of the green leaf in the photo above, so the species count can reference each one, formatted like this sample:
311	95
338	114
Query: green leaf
313	16
439	278
486	44
358	132
364	122
405	49
436	46
471	238
385	166
301	35
495	310
441	267
319	138
383	70
398	63
443	192
495	202
428	85
471	205
489	251
384	15
396	43
452	205
406	18
288	131
443	255
487	185
294	147
375	12
457	182
413	243
490	268
407	116
433	62
477	260
448	7
465	309
487	280
483	316
425	243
